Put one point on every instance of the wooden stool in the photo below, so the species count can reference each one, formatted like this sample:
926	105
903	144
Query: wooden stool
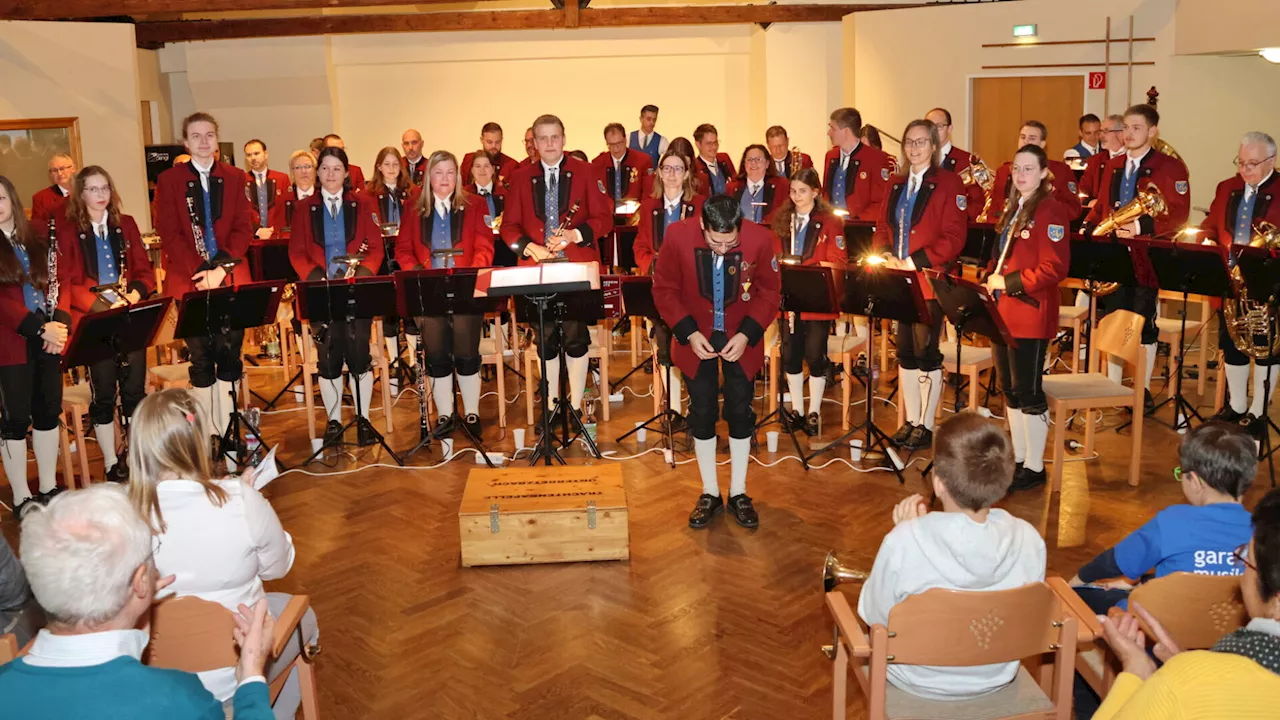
75	403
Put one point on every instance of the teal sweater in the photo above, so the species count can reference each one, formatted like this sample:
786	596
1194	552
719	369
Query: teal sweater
120	689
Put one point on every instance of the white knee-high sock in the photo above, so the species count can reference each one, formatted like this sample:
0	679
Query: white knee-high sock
45	444
393	348
553	382
412	342
705	451
14	455
817	386
331	396
1115	369
469	388
675	389
204	400
1082	299
442	395
1018	431
1151	362
931	382
106	435
1238	387
795	386
739	456
1259	377
909	394
222	405
578	367
364	385
1037	427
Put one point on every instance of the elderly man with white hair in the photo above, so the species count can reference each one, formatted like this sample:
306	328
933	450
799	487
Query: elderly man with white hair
88	557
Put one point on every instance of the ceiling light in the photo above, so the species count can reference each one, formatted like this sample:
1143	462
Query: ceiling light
1271	54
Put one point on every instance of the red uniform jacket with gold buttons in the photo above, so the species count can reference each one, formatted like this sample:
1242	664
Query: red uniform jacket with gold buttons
419	171
524	221
504	169
17	324
232	222
48	202
1036	261
469	233
775	192
652	228
682	291
938	224
1065	188
277	189
1221	223
637	174
702	178
1091	179
823	242
1166	173
866	178
79	252
361	230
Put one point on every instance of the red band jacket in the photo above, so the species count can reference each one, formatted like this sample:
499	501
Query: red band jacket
1065	188
702	178
469	234
1220	226
79	252
277	189
775	192
524	217
17	324
956	160
823	242
1036	261
652	228
938	224
232	222
1166	173
360	229
866	179
637	174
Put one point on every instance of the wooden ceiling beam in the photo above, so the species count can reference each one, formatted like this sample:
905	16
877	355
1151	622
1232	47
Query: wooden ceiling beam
154	33
46	10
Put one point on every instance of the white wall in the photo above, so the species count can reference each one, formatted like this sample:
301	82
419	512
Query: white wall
153	88
83	70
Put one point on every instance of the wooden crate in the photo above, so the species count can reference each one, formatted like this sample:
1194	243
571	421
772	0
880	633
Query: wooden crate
516	516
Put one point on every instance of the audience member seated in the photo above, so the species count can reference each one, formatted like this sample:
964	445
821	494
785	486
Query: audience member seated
967	546
88	556
20	614
1239	678
220	538
1218	465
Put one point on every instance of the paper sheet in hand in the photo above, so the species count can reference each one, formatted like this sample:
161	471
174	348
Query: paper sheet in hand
267	470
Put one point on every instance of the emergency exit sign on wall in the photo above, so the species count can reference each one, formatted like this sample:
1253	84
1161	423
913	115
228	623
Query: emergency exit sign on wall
1024	31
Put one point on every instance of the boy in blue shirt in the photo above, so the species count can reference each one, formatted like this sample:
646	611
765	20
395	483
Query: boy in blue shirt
1218	465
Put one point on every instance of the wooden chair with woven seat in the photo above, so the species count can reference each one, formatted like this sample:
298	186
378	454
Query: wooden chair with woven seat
194	635
959	629
1118	334
597	350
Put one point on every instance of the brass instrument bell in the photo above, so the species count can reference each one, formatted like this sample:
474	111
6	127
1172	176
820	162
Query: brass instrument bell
1149	203
833	573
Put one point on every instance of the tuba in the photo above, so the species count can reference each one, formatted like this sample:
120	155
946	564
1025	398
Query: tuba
1165	148
1246	319
979	174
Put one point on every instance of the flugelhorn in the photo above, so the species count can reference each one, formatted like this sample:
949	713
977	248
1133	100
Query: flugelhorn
1148	203
1247	320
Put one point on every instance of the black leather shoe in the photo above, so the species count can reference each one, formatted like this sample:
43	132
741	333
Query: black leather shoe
920	438
333	432
365	435
1148	403
444	427
1026	479
741	509
119	473
705	510
44	497
1227	415
900	437
25	506
811	425
472	422
1254	425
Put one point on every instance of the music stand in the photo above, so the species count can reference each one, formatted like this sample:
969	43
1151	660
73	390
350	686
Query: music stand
970	308
859	238
980	242
879	293
438	293
347	300
1260	271
637	300
219	312
805	289
1188	269
570	291
1100	261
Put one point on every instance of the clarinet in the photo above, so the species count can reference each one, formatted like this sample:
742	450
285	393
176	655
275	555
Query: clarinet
364	249
197	231
51	293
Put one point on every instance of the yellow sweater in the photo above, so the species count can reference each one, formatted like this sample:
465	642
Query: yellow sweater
1196	685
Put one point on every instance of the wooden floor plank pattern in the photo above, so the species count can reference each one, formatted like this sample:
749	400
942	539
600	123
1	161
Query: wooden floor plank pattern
719	623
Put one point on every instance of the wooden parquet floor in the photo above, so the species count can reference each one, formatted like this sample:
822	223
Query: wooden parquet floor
718	623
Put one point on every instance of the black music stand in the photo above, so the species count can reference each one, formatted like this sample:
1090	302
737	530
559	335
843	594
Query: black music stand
1260	271
221	311
567	300
347	300
879	293
859	238
970	308
1188	269
980	242
805	289
637	300
438	293
1100	261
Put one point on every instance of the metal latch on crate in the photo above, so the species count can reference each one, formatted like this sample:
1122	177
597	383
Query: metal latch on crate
591	514
493	518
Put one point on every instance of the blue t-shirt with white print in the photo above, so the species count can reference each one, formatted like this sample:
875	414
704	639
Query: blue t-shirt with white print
1187	538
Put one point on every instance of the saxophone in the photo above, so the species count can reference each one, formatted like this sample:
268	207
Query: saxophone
51	292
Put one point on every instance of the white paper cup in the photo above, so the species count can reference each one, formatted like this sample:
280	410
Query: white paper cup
518	435
316	444
666	455
642	433
298	395
855	449
771	439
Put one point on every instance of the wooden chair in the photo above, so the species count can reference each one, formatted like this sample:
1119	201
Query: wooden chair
495	350
597	350
1073	317
976	361
379	366
75	404
1170	329
959	629
194	635
843	348
1118	334
8	648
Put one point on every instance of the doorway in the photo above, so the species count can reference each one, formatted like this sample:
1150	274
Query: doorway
1001	104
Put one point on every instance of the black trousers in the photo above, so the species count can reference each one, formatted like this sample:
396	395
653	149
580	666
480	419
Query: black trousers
918	342
662	341
216	357
344	343
808	344
31	393
108	377
1231	354
704	391
1141	300
451	342
573	334
1021	373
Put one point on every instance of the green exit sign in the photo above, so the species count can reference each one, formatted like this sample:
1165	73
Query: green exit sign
1024	31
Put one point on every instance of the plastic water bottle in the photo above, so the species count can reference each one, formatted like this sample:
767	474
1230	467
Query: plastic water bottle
254	416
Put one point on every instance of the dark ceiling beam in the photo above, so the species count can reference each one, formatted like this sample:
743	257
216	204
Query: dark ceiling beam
62	9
